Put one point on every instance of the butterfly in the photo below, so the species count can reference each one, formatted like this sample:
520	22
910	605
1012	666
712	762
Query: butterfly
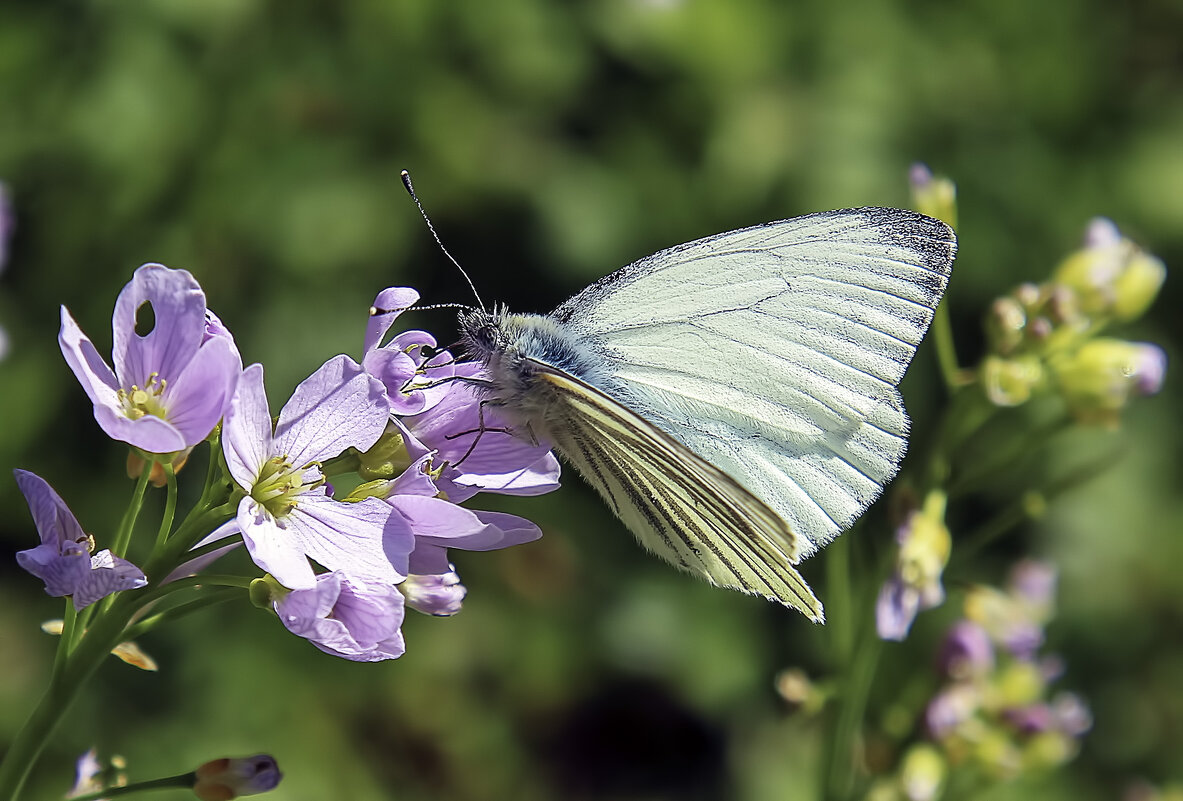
733	400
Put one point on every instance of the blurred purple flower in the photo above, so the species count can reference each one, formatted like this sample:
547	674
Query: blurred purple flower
288	515
171	385
915	584
966	651
1070	714
1035	582
950	708
345	617
440	595
63	560
1031	719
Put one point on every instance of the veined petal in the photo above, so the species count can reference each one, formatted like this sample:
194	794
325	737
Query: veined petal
272	546
537	479
197	398
96	378
52	517
335	408
246	435
345	617
178	305
353	537
108	573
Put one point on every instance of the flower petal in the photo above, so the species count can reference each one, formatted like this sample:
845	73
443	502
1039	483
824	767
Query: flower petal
337	407
178	306
196	399
108	573
392	301
246	435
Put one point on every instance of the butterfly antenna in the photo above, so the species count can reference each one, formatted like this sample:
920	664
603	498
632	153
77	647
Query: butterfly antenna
406	176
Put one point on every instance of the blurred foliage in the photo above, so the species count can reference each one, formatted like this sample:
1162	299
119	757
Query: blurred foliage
258	144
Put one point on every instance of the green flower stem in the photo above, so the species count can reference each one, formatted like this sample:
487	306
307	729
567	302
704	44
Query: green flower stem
123	533
183	781
839	612
212	598
188	582
66	642
170	506
844	746
64	687
176	550
942	335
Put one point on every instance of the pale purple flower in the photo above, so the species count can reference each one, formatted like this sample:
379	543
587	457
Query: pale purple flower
966	651
345	617
950	708
288	515
440	414
1070	714
1034	582
503	460
896	609
440	595
915	584
63	559
87	775
1148	366
439	524
171	385
401	364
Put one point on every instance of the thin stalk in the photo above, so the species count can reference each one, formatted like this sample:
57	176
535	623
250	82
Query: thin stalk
183	781
170	505
942	335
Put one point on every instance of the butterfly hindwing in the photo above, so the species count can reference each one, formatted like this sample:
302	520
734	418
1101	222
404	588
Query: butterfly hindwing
679	506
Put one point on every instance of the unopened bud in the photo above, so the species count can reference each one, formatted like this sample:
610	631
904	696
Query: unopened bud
228	778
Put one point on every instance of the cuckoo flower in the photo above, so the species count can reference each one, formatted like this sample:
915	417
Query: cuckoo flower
171	384
474	449
439	524
346	617
63	560
288	514
401	364
439	414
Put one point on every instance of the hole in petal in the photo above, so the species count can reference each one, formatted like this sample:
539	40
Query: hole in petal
145	319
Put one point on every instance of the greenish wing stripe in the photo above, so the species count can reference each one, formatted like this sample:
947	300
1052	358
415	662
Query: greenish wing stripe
584	453
612	446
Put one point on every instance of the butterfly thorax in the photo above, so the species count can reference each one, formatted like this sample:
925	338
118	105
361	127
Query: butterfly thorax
516	349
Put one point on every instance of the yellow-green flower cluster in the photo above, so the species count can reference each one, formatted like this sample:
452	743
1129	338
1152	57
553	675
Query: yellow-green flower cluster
1044	338
997	712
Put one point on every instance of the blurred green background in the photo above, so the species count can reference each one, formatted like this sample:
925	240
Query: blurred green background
258	145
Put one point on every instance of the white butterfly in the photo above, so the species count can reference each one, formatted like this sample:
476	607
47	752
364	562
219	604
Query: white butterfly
733	399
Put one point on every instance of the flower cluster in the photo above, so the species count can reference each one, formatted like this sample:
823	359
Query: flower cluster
1044	338
995	715
997	710
405	422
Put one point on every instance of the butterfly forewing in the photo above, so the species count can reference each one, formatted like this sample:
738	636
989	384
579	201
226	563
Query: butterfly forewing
774	352
678	505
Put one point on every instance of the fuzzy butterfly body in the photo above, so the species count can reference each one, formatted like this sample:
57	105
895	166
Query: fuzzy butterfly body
733	399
